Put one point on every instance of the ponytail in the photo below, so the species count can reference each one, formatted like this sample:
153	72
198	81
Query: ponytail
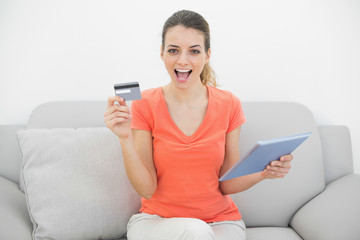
207	76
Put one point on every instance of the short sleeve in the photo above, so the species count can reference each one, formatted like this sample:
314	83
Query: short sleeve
140	116
237	116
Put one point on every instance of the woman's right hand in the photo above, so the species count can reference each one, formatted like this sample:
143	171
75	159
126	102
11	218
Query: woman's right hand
117	117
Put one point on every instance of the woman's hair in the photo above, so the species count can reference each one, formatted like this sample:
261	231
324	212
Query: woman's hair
190	19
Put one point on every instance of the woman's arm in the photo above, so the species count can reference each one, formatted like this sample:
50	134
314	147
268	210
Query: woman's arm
276	169
138	161
136	145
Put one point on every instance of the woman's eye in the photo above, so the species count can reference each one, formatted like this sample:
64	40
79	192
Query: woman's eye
195	51
172	50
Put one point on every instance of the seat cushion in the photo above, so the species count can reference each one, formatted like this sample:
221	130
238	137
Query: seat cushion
75	183
271	233
14	218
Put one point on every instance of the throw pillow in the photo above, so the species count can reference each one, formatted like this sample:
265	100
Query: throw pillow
75	183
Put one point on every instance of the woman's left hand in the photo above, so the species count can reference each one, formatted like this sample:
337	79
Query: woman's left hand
279	168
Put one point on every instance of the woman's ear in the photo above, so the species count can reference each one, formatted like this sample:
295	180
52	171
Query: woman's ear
208	55
162	52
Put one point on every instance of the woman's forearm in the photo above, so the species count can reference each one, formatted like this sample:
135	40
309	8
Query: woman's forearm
240	184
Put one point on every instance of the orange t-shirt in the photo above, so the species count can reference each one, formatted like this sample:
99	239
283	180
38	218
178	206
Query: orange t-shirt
188	167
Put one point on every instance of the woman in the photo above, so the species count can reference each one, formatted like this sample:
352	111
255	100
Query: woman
180	138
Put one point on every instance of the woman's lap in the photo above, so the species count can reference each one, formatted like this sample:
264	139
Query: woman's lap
144	226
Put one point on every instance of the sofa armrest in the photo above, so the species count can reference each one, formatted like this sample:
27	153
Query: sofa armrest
14	218
337	153
333	214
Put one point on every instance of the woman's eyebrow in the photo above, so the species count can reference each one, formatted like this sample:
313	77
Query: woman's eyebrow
175	46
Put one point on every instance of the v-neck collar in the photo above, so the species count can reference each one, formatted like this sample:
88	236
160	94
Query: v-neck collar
201	126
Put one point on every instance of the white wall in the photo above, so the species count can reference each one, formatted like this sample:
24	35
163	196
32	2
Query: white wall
302	51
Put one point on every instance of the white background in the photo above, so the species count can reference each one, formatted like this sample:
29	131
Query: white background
300	51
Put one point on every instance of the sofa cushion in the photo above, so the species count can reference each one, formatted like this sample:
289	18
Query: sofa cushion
66	114
75	183
271	233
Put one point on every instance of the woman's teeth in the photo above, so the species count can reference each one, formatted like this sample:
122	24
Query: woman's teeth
182	75
181	70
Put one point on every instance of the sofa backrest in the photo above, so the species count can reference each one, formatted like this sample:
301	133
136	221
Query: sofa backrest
10	158
68	115
269	203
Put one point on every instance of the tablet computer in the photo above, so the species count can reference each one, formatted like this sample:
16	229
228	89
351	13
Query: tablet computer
263	153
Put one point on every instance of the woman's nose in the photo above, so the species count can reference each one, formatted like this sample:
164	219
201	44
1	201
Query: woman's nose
182	58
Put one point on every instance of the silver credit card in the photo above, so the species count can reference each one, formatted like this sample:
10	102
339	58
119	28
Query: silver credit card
129	91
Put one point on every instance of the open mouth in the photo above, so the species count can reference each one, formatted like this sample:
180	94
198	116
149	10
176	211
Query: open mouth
182	75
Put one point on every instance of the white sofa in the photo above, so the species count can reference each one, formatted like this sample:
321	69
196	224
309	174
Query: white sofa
319	199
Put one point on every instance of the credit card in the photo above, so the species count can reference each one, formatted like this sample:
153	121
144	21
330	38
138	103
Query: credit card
129	91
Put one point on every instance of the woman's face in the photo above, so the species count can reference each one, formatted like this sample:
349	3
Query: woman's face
184	55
